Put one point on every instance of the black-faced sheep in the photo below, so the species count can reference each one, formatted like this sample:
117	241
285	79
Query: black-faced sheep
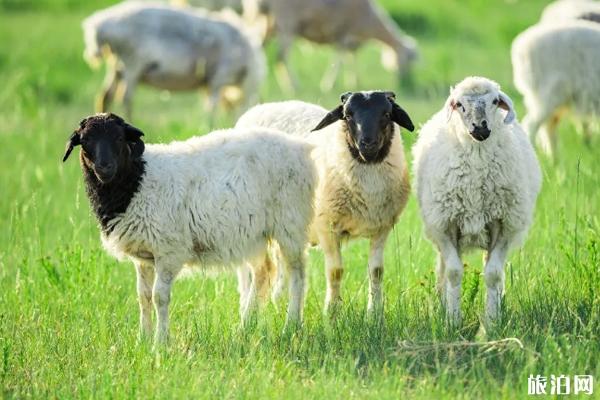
218	199
363	178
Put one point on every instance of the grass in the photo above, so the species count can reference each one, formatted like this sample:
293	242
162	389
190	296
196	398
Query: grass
68	312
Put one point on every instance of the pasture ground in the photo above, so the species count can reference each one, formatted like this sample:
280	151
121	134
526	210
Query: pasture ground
68	312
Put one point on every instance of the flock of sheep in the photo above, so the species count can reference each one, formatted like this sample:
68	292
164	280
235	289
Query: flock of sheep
292	173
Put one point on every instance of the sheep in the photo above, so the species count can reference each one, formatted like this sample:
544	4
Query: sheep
212	200
345	24
562	10
173	48
363	181
477	180
556	69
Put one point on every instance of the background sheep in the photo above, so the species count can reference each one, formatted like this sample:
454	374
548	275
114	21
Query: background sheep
556	67
173	48
345	24
477	183
363	180
563	10
217	199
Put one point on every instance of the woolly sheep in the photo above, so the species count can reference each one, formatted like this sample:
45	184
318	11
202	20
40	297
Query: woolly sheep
344	24
477	180
217	199
173	48
556	68
363	179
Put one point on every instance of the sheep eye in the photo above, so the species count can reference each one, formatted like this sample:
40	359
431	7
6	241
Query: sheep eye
458	104
495	102
387	115
348	117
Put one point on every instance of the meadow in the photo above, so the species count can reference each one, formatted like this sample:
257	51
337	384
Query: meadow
69	314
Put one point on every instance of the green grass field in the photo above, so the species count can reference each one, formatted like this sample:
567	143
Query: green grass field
68	312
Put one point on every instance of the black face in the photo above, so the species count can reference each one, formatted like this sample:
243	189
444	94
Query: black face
108	144
369	123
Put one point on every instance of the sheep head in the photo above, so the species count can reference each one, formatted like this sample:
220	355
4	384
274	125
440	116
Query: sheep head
478	102
368	122
108	145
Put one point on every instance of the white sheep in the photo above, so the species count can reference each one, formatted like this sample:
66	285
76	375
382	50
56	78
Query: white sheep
212	200
562	10
174	48
346	25
363	179
477	180
556	67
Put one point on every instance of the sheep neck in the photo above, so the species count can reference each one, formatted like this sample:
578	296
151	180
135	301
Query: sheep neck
111	199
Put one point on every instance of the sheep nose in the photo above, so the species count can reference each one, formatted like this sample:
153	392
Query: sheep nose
367	143
105	168
482	132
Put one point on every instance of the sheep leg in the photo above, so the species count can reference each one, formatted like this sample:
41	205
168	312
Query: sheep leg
537	118
161	296
586	131
249	307
351	75
440	271
283	72
331	74
334	270
280	276
548	138
109	88
375	305
297	275
211	106
145	280
494	273
127	89
244	274
453	273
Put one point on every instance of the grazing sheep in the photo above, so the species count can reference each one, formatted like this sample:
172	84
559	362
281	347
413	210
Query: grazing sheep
173	48
563	10
218	199
363	179
346	24
556	67
477	181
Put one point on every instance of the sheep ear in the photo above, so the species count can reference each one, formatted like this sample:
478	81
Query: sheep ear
505	103
345	97
74	140
401	117
134	136
450	107
331	117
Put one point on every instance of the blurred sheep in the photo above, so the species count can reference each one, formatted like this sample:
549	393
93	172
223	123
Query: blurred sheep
562	10
174	48
346	24
556	67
